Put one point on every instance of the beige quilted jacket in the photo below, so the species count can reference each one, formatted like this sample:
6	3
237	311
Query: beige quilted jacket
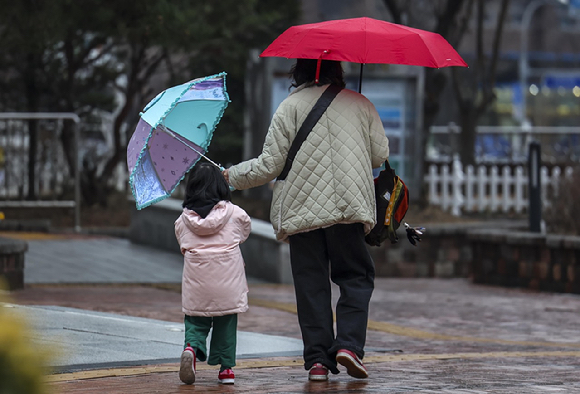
331	180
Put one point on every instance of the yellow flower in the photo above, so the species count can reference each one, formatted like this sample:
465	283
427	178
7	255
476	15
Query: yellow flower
23	364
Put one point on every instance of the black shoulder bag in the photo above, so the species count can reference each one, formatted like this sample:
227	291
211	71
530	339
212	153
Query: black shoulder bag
313	117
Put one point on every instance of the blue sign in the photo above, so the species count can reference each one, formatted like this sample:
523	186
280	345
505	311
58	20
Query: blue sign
569	81
391	117
574	8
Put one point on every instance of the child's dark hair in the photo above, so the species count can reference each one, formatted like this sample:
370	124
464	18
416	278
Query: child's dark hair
205	184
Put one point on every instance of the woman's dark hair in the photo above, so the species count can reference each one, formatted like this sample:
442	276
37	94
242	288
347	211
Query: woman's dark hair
205	185
305	71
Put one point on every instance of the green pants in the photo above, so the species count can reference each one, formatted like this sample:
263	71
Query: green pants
223	338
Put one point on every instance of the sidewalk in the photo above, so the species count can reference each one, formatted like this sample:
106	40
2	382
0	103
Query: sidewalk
427	336
88	340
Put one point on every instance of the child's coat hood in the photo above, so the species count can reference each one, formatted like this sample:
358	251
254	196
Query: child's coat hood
214	222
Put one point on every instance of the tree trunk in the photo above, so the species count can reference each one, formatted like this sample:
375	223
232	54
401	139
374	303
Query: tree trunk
119	148
142	69
435	81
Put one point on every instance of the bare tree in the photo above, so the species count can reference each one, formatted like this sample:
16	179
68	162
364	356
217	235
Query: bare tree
106	56
449	18
473	87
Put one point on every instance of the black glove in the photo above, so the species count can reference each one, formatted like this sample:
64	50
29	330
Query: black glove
373	239
414	233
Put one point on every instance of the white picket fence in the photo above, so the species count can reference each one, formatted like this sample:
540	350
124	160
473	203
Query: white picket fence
484	188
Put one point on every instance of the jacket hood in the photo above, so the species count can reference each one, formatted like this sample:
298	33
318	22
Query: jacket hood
212	223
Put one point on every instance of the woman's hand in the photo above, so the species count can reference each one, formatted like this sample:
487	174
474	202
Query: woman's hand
226	175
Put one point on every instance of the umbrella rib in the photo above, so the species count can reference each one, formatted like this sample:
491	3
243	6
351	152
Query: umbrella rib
185	142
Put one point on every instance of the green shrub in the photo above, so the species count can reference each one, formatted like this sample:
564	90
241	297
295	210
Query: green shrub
23	365
563	214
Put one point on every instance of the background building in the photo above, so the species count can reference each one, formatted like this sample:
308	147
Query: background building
537	83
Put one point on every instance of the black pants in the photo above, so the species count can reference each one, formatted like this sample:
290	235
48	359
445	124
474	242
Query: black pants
338	252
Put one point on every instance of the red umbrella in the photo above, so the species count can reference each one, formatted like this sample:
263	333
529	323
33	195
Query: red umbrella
364	40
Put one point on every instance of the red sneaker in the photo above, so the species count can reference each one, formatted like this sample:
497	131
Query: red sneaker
353	364
226	376
318	372
187	366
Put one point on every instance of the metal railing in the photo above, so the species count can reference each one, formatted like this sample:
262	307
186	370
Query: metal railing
15	140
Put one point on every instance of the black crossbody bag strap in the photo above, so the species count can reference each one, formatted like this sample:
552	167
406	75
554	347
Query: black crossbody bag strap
313	117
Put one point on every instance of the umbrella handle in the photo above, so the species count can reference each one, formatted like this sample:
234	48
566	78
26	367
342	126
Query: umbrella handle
360	78
222	169
317	77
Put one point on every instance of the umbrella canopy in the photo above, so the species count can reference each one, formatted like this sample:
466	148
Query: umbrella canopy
364	40
174	131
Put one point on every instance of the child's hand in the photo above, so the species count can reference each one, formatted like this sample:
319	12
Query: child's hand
226	175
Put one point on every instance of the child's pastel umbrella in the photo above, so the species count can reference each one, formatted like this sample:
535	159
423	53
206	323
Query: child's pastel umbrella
174	131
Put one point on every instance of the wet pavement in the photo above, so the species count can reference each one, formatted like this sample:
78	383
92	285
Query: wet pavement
425	335
93	340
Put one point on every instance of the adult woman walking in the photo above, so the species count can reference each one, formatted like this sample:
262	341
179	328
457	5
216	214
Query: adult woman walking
324	208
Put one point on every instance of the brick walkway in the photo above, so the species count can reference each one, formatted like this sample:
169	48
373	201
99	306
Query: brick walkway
425	335
451	337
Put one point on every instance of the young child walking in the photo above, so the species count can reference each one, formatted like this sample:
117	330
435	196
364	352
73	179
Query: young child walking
214	288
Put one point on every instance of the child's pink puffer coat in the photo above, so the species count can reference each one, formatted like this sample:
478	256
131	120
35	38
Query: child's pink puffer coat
214	280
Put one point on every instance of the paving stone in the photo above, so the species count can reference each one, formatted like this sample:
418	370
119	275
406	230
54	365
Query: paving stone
429	336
